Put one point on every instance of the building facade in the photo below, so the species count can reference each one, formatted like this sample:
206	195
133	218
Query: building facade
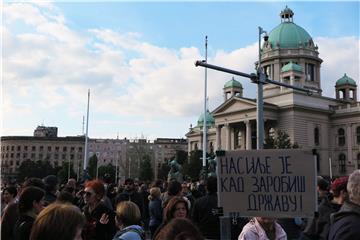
330	127
56	150
45	145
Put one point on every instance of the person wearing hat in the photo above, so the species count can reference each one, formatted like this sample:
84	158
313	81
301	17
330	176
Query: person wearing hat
345	224
51	187
327	207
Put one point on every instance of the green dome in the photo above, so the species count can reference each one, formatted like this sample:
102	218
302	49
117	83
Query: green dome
287	34
291	67
345	80
232	83
209	119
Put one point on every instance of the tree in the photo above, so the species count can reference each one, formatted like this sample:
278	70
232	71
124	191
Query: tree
163	171
39	169
109	170
192	168
281	140
63	172
91	168
181	156
146	171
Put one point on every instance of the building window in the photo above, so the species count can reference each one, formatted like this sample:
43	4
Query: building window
310	72
56	156
12	148
80	149
358	135
49	148
19	148
24	155
7	148
33	148
341	137
25	148
316	136
358	161
342	162
64	149
63	156
18	155
33	156
41	148
72	149
57	149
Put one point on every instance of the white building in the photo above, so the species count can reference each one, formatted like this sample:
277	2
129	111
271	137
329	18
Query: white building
330	126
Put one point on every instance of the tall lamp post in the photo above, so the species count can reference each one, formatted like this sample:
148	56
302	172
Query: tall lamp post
260	100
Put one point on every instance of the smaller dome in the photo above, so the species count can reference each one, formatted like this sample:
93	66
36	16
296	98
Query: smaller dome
291	67
209	119
232	83
345	80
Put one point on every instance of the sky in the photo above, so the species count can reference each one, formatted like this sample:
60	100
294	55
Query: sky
137	59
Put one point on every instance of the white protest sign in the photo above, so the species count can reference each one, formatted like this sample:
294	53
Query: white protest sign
268	183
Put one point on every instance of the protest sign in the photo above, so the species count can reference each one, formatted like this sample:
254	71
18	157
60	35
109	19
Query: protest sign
269	183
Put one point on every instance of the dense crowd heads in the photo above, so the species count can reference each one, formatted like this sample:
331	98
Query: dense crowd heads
133	210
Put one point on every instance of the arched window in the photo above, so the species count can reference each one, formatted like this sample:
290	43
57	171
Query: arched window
316	136
358	161
342	163
196	146
341	136
358	135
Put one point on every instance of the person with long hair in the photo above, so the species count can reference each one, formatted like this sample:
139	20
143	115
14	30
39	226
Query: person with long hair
58	222
177	207
31	203
179	229
95	212
9	196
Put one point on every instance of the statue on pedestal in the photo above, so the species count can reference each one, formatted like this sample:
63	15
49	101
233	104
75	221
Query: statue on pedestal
175	171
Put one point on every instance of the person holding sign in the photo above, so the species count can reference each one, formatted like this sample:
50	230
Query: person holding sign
262	228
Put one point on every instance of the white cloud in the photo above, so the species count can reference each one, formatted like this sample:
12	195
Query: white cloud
340	55
49	67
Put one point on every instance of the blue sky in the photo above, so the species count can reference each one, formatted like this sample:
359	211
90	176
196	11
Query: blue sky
137	59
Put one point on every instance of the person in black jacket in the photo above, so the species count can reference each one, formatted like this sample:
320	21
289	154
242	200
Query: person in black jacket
345	224
155	209
130	194
202	213
31	202
96	213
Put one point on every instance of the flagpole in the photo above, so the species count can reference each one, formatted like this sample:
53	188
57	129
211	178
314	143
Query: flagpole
86	137
205	111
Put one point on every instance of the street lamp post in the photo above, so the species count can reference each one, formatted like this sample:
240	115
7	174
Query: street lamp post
260	100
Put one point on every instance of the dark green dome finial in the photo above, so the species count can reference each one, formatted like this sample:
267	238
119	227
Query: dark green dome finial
210	121
345	80
289	35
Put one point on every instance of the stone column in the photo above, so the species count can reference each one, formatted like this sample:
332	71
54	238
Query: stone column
218	137
228	137
248	134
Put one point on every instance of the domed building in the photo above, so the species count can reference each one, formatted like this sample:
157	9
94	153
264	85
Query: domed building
327	126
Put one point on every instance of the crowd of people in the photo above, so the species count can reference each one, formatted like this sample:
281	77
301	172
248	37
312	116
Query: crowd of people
43	209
